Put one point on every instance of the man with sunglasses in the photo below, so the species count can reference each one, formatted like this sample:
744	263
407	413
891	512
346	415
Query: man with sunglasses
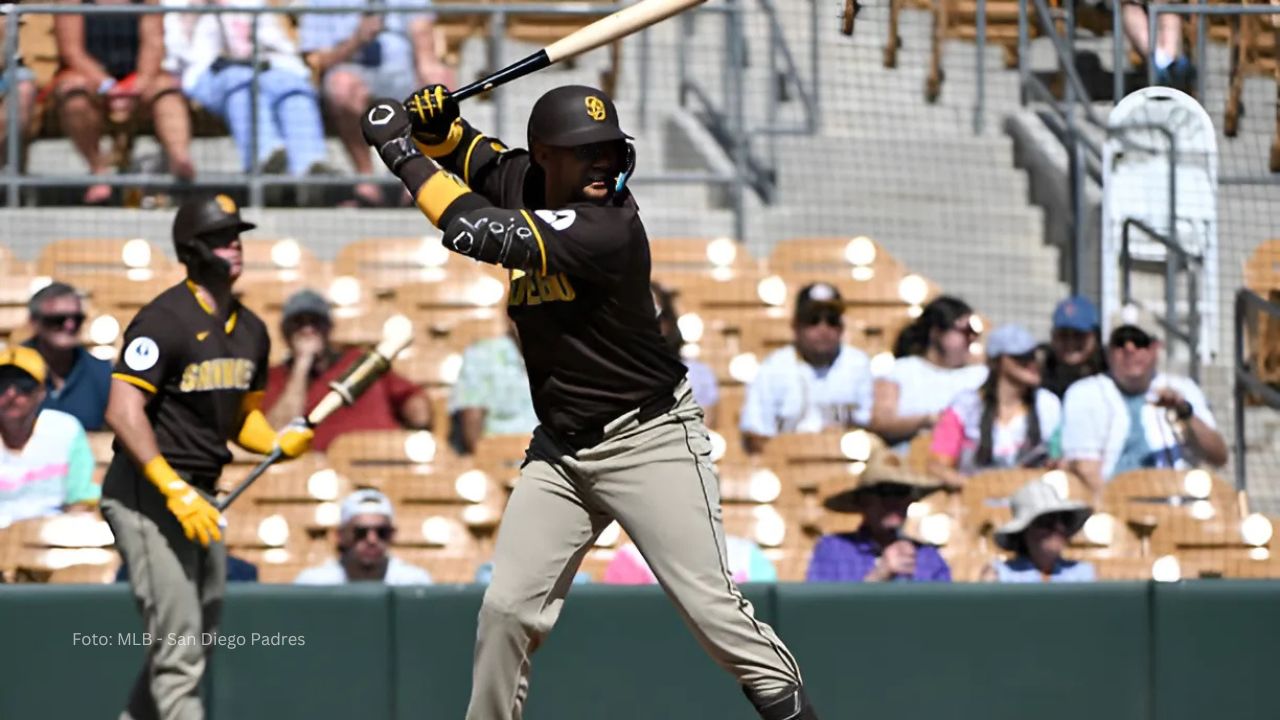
392	401
78	383
620	436
189	381
46	465
816	383
366	526
1133	416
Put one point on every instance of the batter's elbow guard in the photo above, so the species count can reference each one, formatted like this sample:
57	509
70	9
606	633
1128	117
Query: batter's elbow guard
494	235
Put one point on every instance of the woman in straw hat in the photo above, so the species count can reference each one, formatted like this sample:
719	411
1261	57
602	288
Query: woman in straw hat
878	551
1043	521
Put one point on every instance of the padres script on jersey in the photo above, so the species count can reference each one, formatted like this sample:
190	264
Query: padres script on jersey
586	318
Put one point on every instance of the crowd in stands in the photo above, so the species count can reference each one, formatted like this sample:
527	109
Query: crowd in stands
117	71
1117	413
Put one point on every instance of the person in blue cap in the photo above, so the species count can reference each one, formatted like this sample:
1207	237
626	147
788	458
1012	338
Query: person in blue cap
1075	347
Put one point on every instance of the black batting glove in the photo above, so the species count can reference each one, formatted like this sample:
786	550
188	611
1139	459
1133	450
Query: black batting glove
432	111
386	128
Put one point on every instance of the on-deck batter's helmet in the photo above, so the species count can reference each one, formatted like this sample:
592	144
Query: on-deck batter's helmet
198	218
575	115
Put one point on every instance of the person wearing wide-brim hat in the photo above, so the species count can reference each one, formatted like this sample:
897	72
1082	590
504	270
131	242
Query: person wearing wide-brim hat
1043	522
878	551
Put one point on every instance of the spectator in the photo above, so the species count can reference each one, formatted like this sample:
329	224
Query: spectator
1172	67
24	89
878	551
111	69
78	383
216	66
747	563
296	385
1075	347
933	366
702	379
366	528
359	57
1037	535
816	383
491	395
1007	422
46	465
1133	416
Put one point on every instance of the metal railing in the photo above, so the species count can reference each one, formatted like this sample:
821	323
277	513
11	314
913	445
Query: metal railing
498	15
1247	381
1176	260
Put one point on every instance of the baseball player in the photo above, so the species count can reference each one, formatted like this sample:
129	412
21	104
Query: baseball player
620	437
189	380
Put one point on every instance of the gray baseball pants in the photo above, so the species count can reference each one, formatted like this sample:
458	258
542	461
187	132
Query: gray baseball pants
656	479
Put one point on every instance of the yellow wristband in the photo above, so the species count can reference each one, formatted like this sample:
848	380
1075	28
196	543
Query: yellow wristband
161	474
257	435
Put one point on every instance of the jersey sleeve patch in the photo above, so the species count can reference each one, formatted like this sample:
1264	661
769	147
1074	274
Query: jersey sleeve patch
557	219
142	354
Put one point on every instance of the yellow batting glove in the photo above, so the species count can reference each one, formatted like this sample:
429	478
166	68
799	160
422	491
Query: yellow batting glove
200	520
295	438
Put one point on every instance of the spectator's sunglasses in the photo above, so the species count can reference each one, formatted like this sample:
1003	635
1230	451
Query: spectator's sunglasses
966	329
61	319
383	531
1026	359
818	317
306	319
1125	335
24	384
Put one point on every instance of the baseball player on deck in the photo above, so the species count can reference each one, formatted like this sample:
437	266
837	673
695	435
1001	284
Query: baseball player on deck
189	380
620	437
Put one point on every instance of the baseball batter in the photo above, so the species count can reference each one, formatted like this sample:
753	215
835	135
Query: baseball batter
620	437
189	380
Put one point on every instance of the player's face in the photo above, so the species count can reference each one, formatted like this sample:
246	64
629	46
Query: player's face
20	395
1073	347
584	173
368	537
227	247
59	321
1133	360
818	332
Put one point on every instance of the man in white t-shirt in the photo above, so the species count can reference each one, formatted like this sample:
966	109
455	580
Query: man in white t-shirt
814	384
367	525
1133	416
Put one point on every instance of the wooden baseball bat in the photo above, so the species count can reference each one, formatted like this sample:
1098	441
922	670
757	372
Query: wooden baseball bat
603	31
344	391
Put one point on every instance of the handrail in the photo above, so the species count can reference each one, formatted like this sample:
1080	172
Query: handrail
1192	336
14	181
1247	381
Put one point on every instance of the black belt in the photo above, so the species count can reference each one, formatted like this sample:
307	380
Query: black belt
590	437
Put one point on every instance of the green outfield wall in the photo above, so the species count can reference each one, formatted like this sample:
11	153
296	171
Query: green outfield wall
1125	651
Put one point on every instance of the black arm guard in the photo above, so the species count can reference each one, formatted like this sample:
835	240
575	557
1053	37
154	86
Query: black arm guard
494	235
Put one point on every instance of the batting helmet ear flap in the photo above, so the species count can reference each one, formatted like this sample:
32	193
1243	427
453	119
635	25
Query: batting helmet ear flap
628	166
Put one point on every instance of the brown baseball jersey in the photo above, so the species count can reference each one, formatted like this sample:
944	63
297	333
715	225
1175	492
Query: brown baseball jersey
586	318
196	369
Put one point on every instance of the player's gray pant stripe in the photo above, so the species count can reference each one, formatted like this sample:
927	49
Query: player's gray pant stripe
784	656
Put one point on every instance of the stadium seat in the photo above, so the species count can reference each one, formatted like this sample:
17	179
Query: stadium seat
85	574
283	260
679	262
1262	276
1152	496
307	479
1255	51
502	455
91	262
806	459
383	263
367	457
